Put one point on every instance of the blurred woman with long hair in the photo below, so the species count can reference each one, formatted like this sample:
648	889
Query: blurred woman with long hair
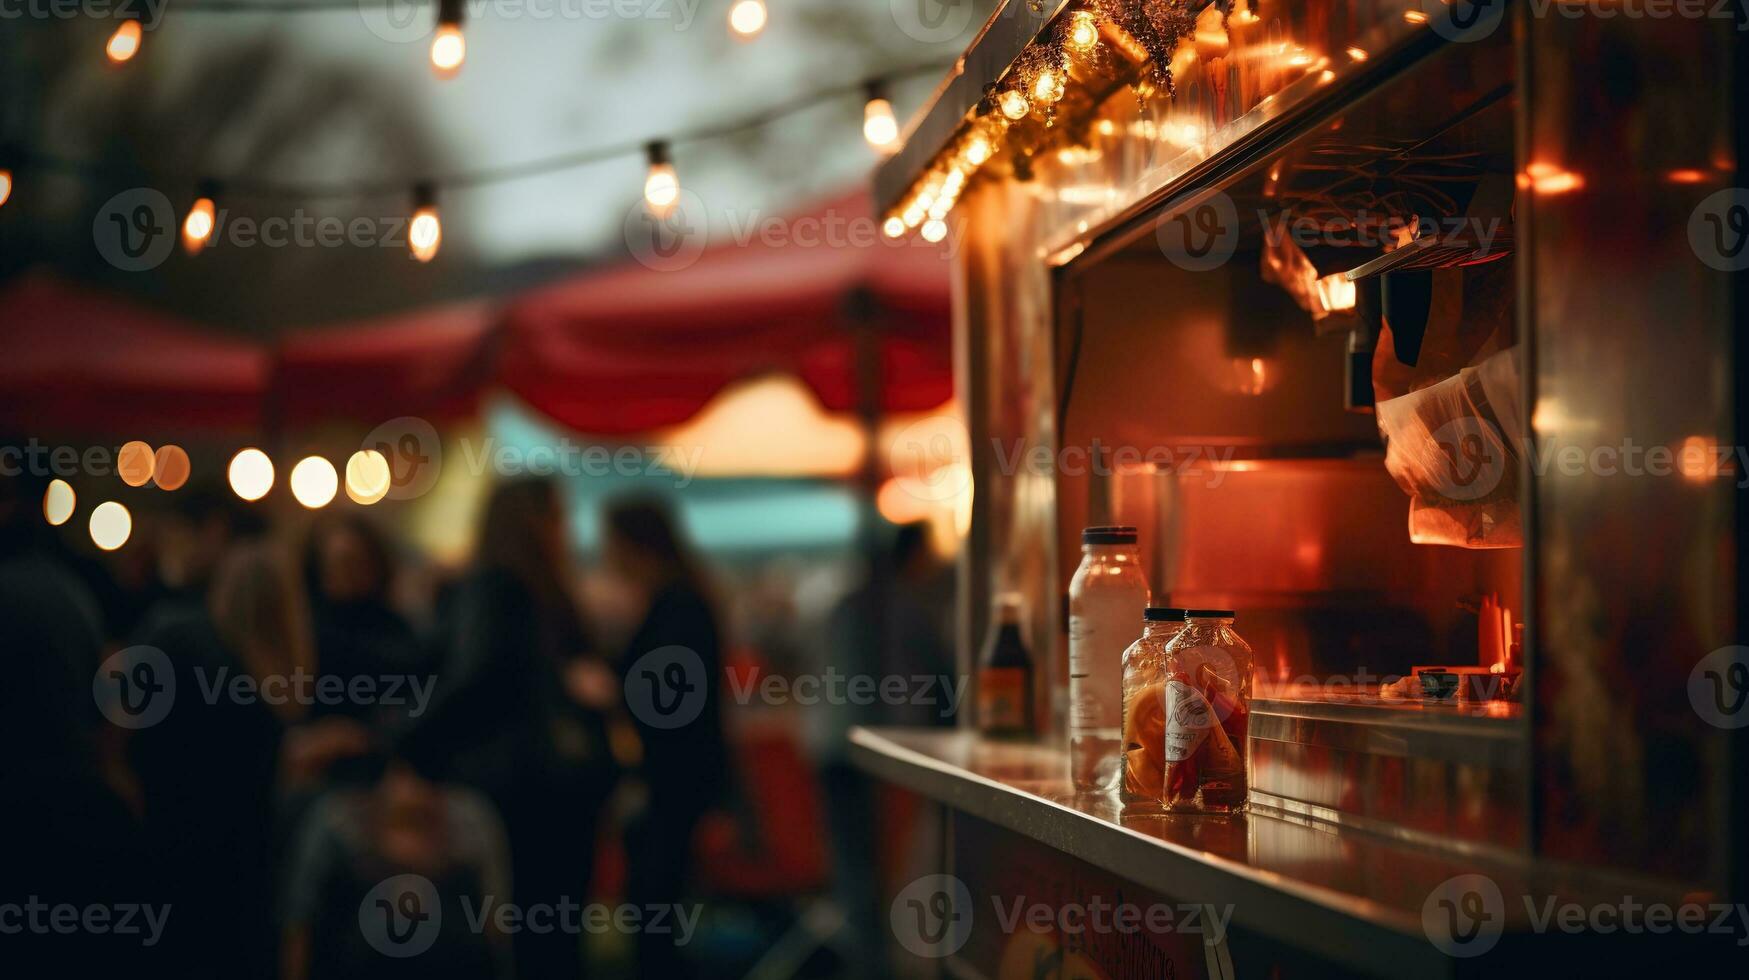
214	770
504	721
684	765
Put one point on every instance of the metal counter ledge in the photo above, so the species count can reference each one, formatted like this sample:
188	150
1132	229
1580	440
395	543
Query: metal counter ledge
1346	896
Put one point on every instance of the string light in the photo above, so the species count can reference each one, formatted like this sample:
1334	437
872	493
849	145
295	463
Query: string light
59	500
1048	86
197	227
1083	31
1014	104
879	126
448	47
747	18
5	185
662	186
894	227
978	150
934	230
314	482
124	43
251	474
424	231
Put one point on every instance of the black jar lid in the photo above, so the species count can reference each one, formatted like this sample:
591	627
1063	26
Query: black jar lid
1109	534
1208	614
1163	614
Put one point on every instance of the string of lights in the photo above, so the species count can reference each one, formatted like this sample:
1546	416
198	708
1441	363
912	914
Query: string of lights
661	187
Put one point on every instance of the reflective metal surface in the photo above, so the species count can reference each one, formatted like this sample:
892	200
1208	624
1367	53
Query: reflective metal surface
1351	897
1636	342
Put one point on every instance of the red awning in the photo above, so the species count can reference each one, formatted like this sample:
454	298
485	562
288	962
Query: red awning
635	348
432	363
613	352
77	360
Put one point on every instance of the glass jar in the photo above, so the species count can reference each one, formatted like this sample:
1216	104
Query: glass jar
1208	670
1144	706
1106	596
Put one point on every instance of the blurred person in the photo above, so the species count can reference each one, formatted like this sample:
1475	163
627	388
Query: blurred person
213	770
67	836
348	572
349	847
191	539
893	624
685	768
506	722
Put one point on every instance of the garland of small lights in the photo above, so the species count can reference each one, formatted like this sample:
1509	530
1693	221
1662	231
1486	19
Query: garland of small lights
1036	82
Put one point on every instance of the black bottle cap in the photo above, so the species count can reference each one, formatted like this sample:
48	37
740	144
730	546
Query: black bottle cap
1163	614
1109	534
1208	614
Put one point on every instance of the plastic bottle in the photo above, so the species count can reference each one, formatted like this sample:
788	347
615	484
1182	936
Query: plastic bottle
1106	597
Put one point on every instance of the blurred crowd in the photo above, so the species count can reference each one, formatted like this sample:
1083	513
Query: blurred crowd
273	757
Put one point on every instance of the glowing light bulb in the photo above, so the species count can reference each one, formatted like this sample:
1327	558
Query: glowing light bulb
111	524
314	482
197	227
251	474
58	502
5	185
978	150
662	185
367	477
448	50
879	126
1083	31
124	44
934	230
893	227
1048	86
747	18
1014	104
425	229
1357	54
425	234
1414	16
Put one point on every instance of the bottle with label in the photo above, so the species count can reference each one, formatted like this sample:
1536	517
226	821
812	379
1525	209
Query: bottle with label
1207	670
1005	675
1144	705
1106	596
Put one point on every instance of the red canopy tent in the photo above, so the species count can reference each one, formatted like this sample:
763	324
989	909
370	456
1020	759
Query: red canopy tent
77	360
433	363
635	348
613	352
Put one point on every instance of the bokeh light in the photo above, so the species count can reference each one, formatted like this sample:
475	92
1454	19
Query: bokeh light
251	474
171	468
110	525
747	18
135	462
314	482
367	477
59	500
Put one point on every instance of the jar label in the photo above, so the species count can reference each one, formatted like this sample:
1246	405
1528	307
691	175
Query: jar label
1188	720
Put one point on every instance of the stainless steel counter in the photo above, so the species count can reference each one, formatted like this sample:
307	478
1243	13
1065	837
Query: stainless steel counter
1347	896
